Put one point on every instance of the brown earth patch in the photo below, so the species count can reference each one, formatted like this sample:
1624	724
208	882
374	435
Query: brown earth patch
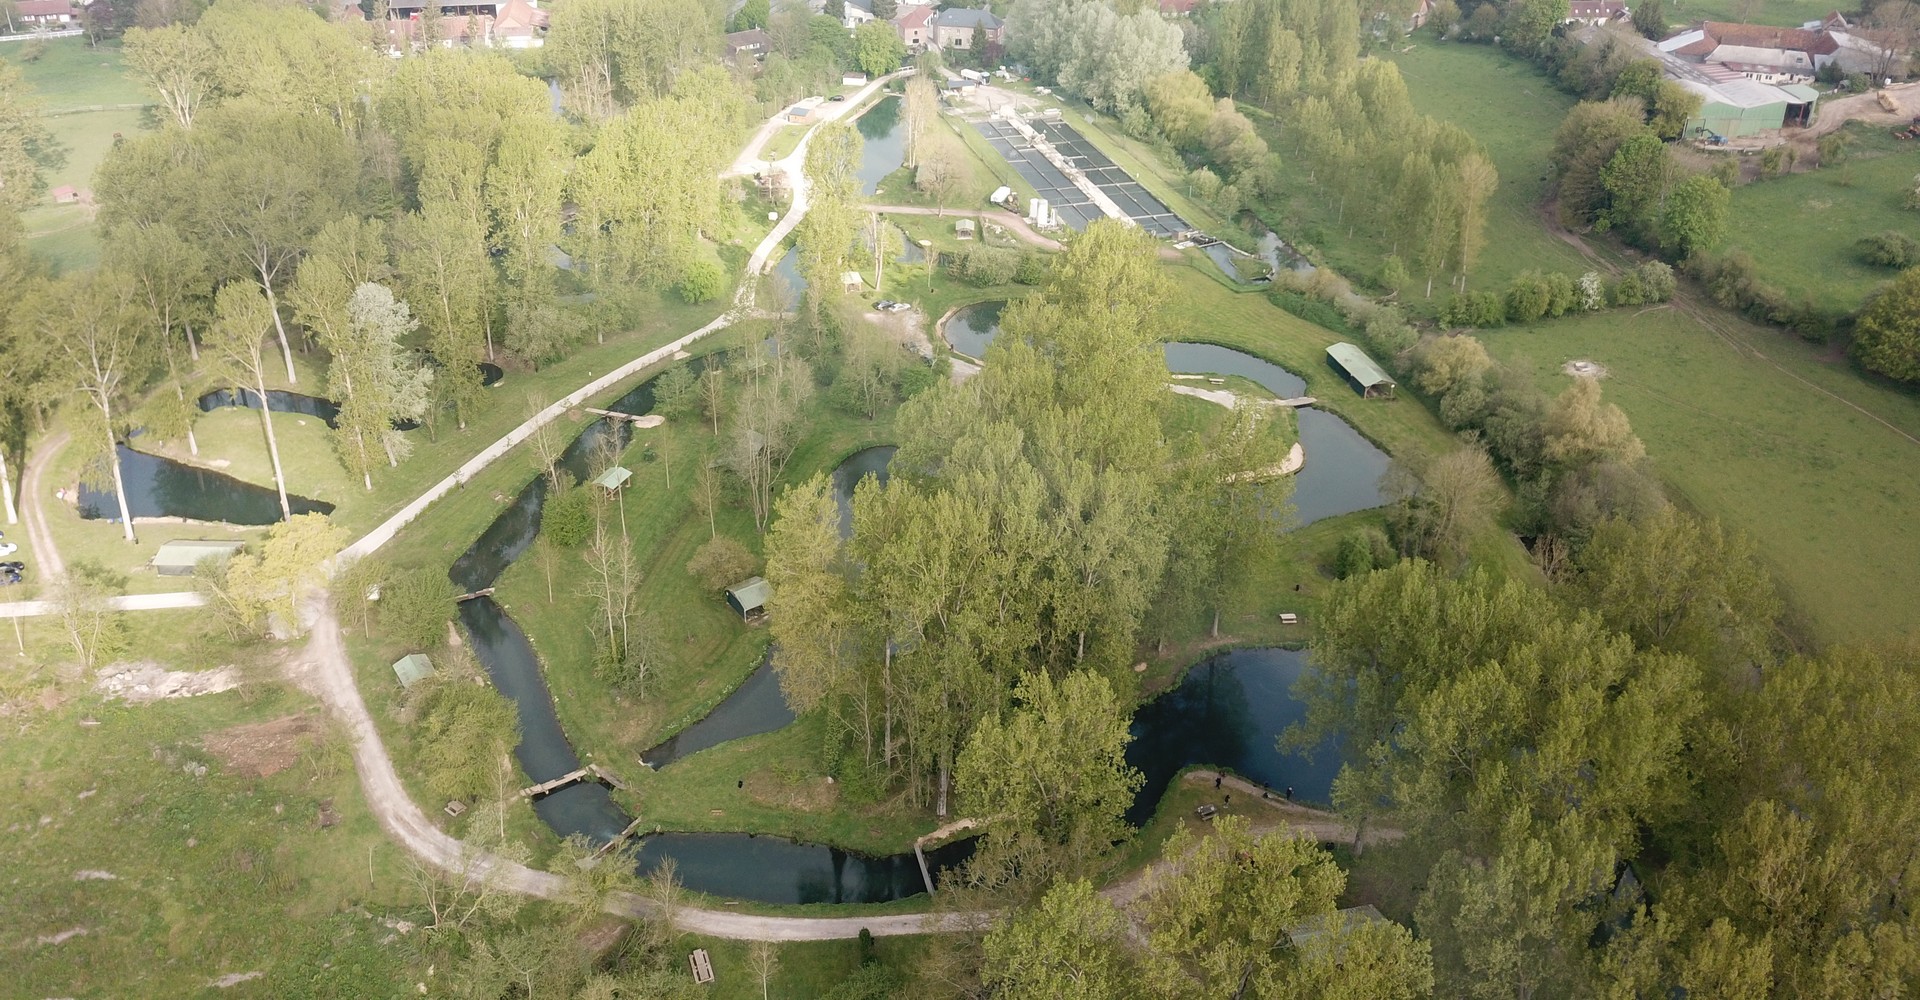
261	749
808	794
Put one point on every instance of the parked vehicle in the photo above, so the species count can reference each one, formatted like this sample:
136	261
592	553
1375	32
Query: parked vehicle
890	306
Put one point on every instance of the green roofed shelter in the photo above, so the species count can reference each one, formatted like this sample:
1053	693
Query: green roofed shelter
1367	378
750	598
613	478
179	557
412	669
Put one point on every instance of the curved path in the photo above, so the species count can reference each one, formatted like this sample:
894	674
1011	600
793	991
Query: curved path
39	537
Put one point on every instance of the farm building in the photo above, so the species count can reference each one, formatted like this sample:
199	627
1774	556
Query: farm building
1733	102
45	12
179	557
1366	377
65	194
750	598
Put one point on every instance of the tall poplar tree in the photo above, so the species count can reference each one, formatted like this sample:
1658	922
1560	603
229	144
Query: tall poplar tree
376	379
241	319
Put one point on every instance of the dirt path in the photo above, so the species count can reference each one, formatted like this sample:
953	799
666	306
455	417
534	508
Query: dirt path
32	507
323	669
1002	217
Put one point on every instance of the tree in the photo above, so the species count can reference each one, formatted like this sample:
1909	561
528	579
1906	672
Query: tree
1444	364
676	393
877	48
81	600
1673	581
105	356
638	47
1886	334
1180	105
763	957
1529	24
766	427
945	168
25	143
463	729
832	223
1697	216
1636	179
264	586
752	14
1650	19
266	210
378	381
168	273
240	321
177	63
1071	945
721	562
1052	772
444	274
1579	429
1458	497
626	650
1582	147
525	188
1220	904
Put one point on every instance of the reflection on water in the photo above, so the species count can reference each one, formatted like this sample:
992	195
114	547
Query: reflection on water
1228	711
973	327
278	401
884	135
1212	359
162	487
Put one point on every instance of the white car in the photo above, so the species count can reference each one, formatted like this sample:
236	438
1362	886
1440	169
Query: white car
8	548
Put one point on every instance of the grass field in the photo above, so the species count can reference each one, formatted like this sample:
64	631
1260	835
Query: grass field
1821	487
143	862
87	98
1785	13
1802	229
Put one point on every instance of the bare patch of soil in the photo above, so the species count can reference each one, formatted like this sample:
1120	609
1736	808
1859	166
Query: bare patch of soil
1585	369
261	749
809	794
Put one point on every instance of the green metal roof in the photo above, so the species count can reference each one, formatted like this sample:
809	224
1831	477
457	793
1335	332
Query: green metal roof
412	669
750	595
186	553
613	478
1358	365
1800	91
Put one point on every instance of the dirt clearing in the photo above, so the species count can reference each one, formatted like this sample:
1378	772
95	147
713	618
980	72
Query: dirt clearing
140	683
262	749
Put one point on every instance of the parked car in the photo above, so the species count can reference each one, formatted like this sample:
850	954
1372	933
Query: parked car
890	306
8	548
837	97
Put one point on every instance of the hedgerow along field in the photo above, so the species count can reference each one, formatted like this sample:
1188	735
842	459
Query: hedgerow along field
1736	418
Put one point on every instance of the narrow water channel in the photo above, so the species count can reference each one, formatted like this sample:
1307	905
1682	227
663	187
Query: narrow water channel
162	487
733	865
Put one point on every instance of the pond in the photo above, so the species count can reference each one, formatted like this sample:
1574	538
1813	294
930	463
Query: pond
883	131
755	707
278	401
1228	711
162	487
972	328
787	273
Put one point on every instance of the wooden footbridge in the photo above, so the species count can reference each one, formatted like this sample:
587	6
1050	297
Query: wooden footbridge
591	772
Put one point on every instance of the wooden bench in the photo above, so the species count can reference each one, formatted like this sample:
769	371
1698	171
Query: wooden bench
702	966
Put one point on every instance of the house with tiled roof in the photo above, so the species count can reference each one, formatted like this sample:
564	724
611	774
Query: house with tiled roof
915	25
953	28
1757	51
45	12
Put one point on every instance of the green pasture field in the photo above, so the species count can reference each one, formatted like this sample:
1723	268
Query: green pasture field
70	74
1825	490
1803	230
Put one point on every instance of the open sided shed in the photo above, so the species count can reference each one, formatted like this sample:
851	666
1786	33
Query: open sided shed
613	478
180	556
750	598
1366	377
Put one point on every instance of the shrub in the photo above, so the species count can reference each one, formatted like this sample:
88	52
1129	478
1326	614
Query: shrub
1310	309
1362	551
703	282
1480	309
1032	269
721	562
984	266
1656	280
1890	249
415	607
916	379
1389	334
1528	297
567	515
1393	273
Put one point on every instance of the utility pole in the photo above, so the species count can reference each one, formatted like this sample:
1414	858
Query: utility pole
879	259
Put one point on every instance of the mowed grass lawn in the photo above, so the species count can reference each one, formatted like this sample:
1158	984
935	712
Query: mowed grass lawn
71	74
1826	492
1803	230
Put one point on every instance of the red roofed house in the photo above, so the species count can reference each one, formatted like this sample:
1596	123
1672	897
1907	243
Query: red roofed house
1597	11
45	11
915	25
1176	8
1756	51
66	194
